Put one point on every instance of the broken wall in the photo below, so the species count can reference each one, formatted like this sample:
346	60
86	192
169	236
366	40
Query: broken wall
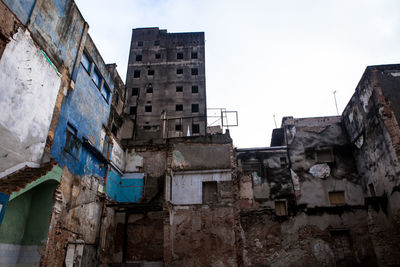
371	123
200	217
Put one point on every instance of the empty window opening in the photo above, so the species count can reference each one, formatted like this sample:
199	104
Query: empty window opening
138	57
337	198
150	72
158	56
179	55
114	130
280	208
136	74
178	127
179	71
147	127
195	108
371	188
72	143
105	92
85	62
195	128
148	108
195	71
132	110
194	55
179	88
210	192
147	122
157	42
96	78
283	161
140	43
195	89
179	107
135	91
324	155
149	90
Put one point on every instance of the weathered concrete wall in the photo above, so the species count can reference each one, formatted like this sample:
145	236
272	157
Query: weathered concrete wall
58	27
164	82
306	239
202	236
320	155
75	219
371	122
29	86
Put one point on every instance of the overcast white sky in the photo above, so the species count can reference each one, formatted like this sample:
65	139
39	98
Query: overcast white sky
263	57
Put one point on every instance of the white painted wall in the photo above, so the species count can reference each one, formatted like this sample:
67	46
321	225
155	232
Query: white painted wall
187	187
28	92
117	155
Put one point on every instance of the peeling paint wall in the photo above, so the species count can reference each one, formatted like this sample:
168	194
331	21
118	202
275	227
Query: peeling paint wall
29	86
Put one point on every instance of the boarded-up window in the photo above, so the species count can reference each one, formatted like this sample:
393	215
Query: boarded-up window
337	198
210	192
280	208
324	155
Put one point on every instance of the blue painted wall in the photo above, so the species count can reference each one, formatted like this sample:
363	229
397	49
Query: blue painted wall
83	113
127	188
3	201
21	8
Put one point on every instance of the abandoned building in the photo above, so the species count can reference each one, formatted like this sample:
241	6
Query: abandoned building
94	172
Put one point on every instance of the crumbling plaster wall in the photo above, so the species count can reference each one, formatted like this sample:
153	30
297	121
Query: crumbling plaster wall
76	217
29	85
306	239
319	175
372	127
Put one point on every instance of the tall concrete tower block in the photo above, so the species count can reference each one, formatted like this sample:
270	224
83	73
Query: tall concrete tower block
166	88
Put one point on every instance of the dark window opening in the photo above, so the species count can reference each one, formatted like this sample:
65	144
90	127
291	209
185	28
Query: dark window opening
179	71
195	89
195	108
146	127
72	143
132	110
158	56
179	107
195	128
337	198
138	57
195	71
135	91
114	130
105	92
325	155
178	127
96	78
372	190
149	90
136	74
210	192
179	55
85	62
157	42
148	108
194	55
116	97
179	88
280	208
283	161
150	72
140	43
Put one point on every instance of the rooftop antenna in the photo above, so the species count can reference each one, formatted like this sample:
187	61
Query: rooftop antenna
334	96
276	126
